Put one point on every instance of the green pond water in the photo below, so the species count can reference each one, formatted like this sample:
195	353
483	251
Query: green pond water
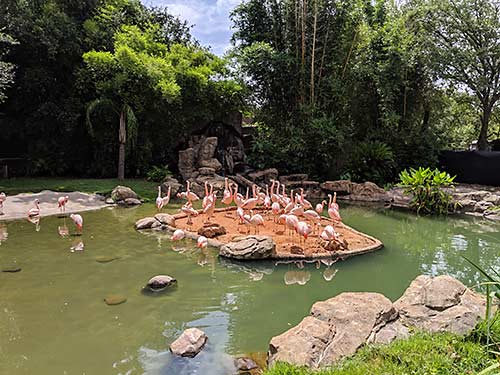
53	319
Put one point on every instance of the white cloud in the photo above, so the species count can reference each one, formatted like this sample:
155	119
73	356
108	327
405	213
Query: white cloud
209	17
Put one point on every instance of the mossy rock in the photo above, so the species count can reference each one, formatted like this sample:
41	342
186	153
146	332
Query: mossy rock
114	299
11	269
106	258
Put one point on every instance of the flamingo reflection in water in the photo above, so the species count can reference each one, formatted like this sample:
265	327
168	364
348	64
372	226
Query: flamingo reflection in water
3	233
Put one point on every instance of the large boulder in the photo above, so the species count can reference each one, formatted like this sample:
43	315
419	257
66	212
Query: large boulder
367	191
121	193
145	223
293	178
187	163
190	343
249	247
207	148
263	177
210	163
165	219
174	185
341	187
441	304
340	325
160	282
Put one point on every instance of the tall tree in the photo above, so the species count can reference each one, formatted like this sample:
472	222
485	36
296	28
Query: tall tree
6	68
466	50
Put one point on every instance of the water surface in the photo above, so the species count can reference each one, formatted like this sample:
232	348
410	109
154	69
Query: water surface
53	319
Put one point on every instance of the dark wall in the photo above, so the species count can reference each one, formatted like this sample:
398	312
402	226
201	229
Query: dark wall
473	167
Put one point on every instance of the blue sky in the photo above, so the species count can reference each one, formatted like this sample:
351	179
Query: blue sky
210	18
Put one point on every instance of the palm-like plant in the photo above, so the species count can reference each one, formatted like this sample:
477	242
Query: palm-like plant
127	131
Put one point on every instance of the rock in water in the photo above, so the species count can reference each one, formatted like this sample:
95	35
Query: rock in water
165	219
114	300
249	247
190	343
160	282
145	223
244	364
11	269
120	193
212	230
106	258
132	202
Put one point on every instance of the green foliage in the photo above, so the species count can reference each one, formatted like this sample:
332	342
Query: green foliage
372	161
422	353
425	186
158	174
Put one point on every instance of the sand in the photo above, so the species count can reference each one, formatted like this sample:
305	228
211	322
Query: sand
287	247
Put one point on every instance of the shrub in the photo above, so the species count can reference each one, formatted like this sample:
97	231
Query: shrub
426	188
158	174
372	161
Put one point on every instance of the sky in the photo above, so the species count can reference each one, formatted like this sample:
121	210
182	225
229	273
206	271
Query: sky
210	19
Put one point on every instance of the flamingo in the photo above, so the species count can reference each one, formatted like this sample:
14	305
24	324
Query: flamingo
3	198
78	220
159	200
210	208
267	199
307	205
251	203
333	211
166	199
298	210
227	197
275	197
202	242
238	198
314	217
282	221
329	234
291	223
190	195
275	209
61	201
178	235
35	211
207	199
303	229
320	207
290	204
189	211
256	220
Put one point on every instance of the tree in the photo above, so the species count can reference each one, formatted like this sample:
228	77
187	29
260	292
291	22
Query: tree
465	46
6	68
136	70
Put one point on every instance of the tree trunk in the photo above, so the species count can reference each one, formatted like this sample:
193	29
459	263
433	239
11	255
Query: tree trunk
482	142
313	49
122	139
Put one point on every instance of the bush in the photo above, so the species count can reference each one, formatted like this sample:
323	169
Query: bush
426	188
158	174
372	161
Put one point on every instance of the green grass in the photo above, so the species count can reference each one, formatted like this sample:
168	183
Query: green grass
146	190
421	354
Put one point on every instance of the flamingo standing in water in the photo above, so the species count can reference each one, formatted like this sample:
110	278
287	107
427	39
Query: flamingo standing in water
62	201
178	235
35	211
3	198
78	220
202	242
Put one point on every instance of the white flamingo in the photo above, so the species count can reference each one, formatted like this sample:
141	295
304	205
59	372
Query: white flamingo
178	235
256	220
35	211
227	197
78	220
320	207
202	242
61	202
3	198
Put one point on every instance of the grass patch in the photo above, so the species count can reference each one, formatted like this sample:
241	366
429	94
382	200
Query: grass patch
146	189
422	354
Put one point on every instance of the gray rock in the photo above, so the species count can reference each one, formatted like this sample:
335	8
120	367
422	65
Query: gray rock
249	247
145	223
293	178
206	171
207	148
174	185
342	187
106	258
132	202
367	191
160	282
109	201
210	163
338	326
466	204
482	206
190	343
264	176
121	193
440	304
165	219
187	162
244	364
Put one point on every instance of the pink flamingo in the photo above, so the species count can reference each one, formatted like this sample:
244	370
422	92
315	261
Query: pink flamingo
333	211
202	242
282	221
227	197
256	220
207	199
159	200
290	204
189	211
320	207
291	223
61	201
314	217
275	198
178	235
329	234
304	202
251	203
3	198
238	198
210	208
303	229
166	199
267	199
35	211
190	195
276	210
78	220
